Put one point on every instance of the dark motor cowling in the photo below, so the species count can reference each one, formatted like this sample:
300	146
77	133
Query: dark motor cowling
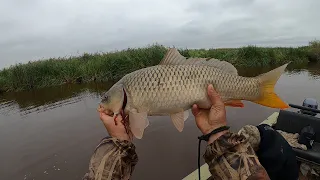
310	103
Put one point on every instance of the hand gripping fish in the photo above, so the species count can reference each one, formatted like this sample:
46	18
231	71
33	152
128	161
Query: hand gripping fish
173	86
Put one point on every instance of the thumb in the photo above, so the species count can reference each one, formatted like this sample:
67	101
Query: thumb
214	97
195	110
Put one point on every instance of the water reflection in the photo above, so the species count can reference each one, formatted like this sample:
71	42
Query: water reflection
49	98
311	70
314	70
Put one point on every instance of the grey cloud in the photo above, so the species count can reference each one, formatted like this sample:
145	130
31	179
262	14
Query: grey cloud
35	29
239	3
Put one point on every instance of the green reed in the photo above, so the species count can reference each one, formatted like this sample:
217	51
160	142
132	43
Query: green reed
114	65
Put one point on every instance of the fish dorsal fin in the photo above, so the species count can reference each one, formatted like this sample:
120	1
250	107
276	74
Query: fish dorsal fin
138	122
223	65
196	61
172	57
179	118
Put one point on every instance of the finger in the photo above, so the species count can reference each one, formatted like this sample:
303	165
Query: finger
102	115
105	117
119	118
100	108
214	96
195	110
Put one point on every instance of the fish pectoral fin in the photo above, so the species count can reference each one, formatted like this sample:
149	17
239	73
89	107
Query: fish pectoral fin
179	118
234	103
138	122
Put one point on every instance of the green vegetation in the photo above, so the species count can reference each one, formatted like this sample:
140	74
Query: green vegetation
114	65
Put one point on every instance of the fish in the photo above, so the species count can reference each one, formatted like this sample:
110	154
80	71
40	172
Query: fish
176	83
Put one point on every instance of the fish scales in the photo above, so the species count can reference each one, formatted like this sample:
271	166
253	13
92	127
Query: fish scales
164	88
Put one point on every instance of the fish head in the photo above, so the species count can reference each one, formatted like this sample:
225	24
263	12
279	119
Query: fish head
113	100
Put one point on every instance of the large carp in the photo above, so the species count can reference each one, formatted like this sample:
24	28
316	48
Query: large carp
173	86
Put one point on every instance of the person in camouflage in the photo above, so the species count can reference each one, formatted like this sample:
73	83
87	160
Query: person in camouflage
229	155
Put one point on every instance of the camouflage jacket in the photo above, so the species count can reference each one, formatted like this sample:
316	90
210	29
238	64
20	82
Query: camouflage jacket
112	159
229	157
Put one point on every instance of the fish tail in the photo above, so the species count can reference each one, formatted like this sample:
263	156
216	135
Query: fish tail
267	82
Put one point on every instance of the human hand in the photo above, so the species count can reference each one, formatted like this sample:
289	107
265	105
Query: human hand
115	127
209	119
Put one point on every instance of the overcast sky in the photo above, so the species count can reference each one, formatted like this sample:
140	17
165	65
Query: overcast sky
36	29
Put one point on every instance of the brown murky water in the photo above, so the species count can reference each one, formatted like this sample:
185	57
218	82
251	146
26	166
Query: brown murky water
51	133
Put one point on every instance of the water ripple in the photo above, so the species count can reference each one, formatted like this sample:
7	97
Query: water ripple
46	99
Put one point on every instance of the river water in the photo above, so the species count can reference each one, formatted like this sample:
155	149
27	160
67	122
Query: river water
51	133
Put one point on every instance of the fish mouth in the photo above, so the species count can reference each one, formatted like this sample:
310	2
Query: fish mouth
101	107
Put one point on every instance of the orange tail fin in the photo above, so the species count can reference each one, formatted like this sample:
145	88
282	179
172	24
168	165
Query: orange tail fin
268	97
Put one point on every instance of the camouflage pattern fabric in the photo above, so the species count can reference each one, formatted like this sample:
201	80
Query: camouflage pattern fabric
232	157
112	159
292	139
252	134
229	157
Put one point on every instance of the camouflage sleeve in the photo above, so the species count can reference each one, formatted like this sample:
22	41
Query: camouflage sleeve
112	159
232	157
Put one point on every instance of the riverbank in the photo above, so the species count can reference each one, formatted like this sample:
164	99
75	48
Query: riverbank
114	65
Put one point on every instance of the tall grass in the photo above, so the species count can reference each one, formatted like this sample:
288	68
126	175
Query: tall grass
114	65
314	50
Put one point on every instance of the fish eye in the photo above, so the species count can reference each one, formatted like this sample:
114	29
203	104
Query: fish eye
105	97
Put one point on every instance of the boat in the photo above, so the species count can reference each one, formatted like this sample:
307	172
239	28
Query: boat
291	122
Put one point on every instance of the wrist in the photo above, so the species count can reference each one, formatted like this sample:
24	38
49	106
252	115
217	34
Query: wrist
213	127
214	134
121	137
214	137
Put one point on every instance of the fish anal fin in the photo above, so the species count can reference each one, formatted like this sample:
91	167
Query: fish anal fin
234	103
138	122
179	118
267	95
